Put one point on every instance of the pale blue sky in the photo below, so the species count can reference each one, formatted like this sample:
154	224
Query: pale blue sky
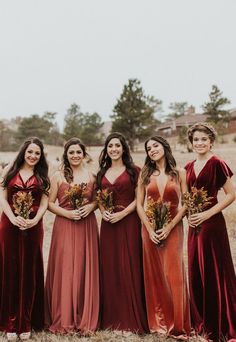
56	52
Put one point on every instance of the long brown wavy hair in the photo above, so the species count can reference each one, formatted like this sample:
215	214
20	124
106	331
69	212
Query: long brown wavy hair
40	169
105	160
66	168
150	166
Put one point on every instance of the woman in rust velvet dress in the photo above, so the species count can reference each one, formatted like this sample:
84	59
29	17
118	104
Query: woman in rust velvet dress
164	275
212	281
21	261
122	290
72	283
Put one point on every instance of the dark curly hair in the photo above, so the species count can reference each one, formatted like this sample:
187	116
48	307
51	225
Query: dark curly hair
105	160
149	167
40	169
67	170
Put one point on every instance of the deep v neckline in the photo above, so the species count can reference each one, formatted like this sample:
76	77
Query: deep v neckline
112	183
23	181
158	188
197	175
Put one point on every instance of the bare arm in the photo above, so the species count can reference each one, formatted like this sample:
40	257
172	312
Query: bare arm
119	215
86	209
53	207
141	193
41	210
165	231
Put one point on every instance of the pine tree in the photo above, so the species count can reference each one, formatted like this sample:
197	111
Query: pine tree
214	108
134	113
73	122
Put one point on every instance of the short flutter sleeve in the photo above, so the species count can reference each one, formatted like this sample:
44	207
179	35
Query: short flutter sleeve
222	173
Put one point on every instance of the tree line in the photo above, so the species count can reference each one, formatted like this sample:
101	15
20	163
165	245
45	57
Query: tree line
135	114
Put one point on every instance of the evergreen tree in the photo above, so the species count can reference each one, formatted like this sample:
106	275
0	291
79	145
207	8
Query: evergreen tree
83	126
91	132
42	127
178	109
134	113
7	141
214	108
73	122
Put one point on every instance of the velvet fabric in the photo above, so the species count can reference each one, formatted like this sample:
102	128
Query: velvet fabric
164	274
21	266
212	281
122	288
72	284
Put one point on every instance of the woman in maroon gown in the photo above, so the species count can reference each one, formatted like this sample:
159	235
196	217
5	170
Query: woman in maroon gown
164	274
212	281
122	290
72	283
21	262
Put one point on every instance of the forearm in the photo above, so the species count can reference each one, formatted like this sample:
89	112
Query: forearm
143	217
229	198
130	208
57	210
42	208
7	209
178	217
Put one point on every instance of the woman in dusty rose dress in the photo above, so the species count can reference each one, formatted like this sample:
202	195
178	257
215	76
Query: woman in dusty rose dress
122	290
21	238
72	283
164	275
212	281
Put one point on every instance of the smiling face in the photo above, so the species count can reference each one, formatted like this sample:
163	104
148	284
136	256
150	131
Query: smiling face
32	155
201	142
155	150
115	149
75	155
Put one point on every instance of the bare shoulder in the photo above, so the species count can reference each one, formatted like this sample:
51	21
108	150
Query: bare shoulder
92	175
57	177
182	173
181	170
5	170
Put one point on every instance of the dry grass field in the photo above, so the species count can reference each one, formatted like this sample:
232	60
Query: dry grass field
225	151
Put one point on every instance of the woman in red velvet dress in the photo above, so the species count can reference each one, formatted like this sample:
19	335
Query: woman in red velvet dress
212	281
164	275
72	283
122	290
21	262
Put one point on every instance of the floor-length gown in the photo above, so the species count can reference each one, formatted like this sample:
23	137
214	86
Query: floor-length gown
164	274
212	281
21	266
72	282
122	289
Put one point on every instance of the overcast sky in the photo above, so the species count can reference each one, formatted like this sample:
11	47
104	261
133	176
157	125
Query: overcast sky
56	52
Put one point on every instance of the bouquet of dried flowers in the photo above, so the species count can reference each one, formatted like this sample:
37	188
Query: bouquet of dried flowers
158	213
196	201
105	199
76	195
22	203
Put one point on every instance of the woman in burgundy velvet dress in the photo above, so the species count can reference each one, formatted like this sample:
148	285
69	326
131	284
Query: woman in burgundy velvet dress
212	281
122	289
21	262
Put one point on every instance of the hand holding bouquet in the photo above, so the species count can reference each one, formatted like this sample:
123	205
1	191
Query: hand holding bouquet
196	201
22	204
76	195
158	213
105	199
